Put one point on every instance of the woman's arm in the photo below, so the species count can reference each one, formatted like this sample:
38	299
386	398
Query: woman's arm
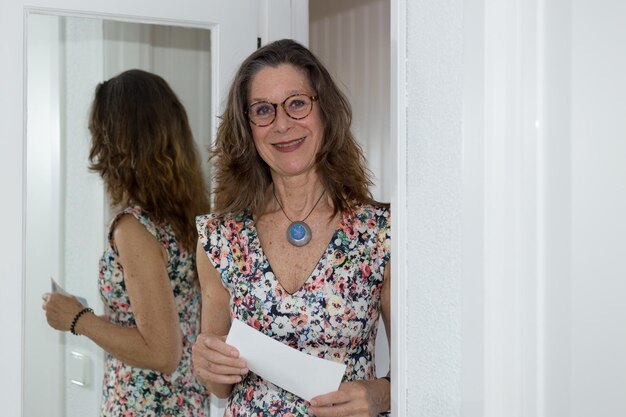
216	364
361	398
156	342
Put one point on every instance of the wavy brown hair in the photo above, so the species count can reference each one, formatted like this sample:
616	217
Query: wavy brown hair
143	148
242	177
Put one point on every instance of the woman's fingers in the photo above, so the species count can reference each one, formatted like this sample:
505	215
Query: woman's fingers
60	310
204	374
45	297
214	349
333	404
350	400
225	369
216	361
218	344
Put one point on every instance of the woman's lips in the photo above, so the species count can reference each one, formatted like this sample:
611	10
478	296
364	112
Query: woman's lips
289	146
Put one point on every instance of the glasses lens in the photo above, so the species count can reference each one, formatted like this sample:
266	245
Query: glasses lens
298	107
261	113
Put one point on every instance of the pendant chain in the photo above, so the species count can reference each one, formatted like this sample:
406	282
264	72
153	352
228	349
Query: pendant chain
283	210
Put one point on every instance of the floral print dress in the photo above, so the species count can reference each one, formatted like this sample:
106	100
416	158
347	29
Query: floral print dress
129	391
334	315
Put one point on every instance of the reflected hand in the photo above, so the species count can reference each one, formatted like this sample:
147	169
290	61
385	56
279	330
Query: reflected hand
355	398
215	362
60	310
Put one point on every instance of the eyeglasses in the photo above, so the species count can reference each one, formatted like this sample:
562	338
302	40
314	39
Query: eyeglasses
297	106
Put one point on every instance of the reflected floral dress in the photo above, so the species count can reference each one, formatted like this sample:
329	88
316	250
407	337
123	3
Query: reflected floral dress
334	315
131	392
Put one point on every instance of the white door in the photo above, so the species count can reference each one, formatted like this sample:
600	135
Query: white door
42	75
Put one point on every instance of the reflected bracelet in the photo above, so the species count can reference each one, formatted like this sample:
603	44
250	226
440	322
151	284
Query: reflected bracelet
76	317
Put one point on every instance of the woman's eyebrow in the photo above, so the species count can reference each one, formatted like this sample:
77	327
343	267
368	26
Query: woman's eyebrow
289	94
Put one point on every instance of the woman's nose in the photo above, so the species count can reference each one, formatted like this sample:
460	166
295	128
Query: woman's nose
282	122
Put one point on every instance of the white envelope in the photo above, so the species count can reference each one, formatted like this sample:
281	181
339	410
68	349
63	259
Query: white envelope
57	288
302	374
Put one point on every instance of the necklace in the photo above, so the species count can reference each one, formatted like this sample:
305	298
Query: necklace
298	232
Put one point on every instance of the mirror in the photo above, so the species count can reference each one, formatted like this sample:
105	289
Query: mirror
67	211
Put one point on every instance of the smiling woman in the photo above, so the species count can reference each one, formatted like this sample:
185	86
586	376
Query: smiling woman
298	291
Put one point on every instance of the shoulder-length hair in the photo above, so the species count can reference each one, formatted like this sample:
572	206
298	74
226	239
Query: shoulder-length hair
242	177
143	148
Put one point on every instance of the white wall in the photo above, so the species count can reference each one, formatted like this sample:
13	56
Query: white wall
598	208
434	146
515	172
557	186
12	219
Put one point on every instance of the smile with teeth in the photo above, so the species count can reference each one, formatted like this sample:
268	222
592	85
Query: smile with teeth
290	143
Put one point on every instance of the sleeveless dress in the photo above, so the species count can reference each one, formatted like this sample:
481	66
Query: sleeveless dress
334	315
129	391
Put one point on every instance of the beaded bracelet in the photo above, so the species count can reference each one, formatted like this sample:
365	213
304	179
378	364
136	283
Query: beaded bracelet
76	317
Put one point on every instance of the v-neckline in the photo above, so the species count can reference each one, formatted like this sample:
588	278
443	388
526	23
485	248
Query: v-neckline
264	259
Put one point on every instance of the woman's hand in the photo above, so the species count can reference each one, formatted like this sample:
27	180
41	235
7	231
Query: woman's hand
215	362
60	310
355	398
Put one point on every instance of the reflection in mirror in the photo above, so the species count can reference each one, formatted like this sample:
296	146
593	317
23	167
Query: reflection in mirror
67	212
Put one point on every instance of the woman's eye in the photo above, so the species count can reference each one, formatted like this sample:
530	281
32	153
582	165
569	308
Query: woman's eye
263	109
297	104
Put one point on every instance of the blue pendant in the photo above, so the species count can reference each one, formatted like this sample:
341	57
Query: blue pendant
299	233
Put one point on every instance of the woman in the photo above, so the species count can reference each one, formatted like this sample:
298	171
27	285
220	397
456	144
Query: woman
143	149
297	248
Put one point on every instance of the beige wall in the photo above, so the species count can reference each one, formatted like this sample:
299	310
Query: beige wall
352	38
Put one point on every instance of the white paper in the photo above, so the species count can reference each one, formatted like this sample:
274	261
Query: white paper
302	374
57	288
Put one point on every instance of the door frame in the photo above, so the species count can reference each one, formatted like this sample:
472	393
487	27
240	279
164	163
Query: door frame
399	242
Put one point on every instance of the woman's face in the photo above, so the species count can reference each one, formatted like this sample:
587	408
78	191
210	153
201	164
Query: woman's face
287	145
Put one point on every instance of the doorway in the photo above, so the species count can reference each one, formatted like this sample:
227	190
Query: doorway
352	38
